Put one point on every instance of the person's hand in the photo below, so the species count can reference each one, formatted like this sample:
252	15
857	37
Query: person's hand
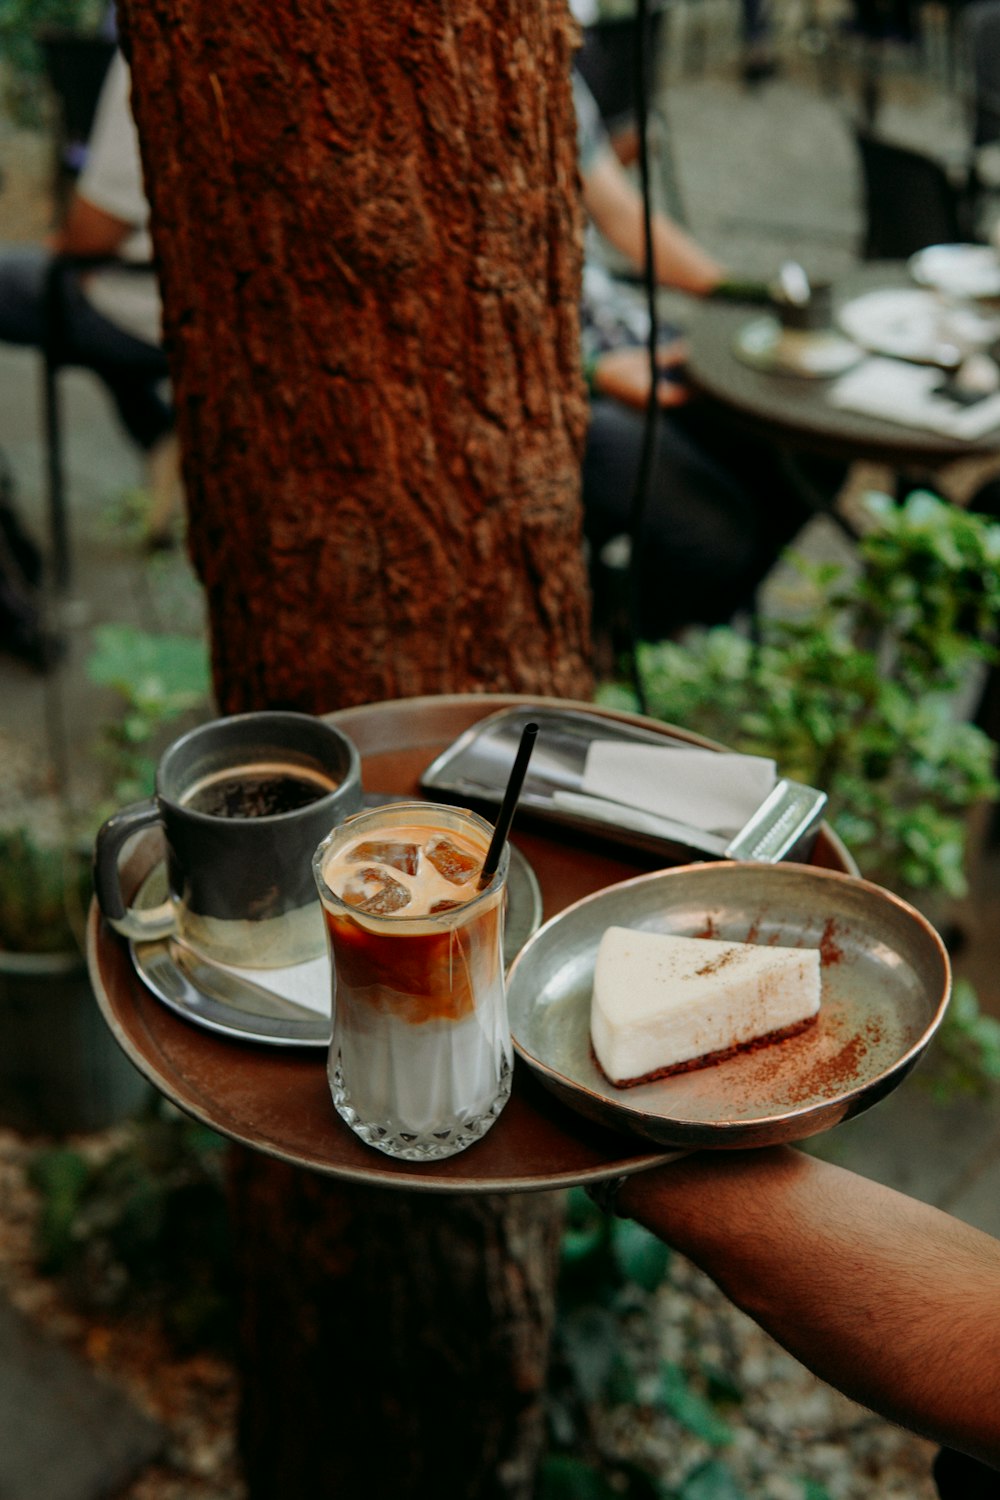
623	374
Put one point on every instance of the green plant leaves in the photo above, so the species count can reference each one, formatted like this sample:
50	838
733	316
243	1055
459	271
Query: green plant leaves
591	1342
639	1255
149	1221
563	1477
158	677
155	673
61	1176
968	1047
691	1409
44	893
858	696
710	1481
605	1357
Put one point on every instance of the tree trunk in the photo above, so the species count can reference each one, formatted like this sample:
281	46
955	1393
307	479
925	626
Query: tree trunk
367	228
413	1329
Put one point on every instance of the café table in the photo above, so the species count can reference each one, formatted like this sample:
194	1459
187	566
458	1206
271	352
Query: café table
277	1099
794	412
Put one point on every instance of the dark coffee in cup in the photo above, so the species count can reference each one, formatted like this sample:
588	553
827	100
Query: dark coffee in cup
241	804
263	790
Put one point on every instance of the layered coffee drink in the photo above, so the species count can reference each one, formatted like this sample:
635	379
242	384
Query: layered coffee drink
420	1058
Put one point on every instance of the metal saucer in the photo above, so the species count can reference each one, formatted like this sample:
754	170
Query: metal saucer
237	1004
885	976
815	354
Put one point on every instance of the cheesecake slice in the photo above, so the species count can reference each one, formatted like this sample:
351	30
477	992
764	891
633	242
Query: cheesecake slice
664	1004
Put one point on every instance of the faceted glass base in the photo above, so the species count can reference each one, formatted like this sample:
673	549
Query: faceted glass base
446	1138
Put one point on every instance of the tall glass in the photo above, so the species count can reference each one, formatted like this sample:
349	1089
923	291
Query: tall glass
420	1059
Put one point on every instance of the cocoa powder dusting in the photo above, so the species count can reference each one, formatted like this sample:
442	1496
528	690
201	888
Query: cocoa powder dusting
715	964
831	1075
830	951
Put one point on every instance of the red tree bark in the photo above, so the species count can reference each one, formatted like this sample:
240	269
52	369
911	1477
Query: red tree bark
367	229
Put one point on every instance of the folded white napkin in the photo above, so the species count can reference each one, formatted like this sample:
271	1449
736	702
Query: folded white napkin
904	393
308	983
713	791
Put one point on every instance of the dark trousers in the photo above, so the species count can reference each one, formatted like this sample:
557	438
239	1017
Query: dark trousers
132	370
961	1478
721	508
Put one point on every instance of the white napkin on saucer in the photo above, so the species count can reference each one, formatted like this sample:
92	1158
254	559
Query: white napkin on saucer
307	983
713	791
901	392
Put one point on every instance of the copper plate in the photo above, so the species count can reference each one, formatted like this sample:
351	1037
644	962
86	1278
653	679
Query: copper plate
885	986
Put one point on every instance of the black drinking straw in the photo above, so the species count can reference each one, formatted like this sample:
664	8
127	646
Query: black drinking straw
508	806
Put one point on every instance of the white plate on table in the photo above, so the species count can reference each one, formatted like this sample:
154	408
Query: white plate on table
917	325
958	270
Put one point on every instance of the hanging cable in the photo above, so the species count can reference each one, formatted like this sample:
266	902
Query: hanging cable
642	60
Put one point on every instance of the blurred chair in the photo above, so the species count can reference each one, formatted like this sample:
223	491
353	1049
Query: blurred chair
76	66
164	461
980	49
909	200
76	63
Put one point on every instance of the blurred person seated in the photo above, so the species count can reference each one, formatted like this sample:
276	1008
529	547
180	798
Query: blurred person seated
721	506
108	316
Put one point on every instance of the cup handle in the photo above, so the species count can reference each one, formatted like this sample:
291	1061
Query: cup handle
131	922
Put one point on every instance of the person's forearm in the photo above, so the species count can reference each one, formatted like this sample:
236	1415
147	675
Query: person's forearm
889	1300
89	231
679	261
617	210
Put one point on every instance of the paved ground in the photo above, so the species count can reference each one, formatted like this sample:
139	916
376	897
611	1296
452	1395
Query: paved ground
762	175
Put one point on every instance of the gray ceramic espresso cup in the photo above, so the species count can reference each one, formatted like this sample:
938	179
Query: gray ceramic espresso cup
242	803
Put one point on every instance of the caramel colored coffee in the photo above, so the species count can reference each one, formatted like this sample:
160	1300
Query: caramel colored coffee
420	1057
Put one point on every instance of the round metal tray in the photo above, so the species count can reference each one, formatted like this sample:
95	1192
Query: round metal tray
277	1099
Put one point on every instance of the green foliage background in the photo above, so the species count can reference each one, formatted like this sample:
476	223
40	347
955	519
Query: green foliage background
21	21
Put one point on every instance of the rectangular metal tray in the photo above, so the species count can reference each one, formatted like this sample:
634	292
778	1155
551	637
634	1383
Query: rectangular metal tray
478	765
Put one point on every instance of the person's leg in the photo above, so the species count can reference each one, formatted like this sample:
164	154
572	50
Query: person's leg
782	495
133	371
706	539
22	295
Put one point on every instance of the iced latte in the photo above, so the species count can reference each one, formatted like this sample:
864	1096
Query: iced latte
420	1057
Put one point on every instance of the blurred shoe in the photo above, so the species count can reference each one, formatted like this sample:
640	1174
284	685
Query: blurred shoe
22	633
166	491
759	65
16	545
23	551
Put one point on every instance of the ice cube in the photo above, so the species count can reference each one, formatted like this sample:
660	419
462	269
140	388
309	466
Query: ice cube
455	864
373	890
399	856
